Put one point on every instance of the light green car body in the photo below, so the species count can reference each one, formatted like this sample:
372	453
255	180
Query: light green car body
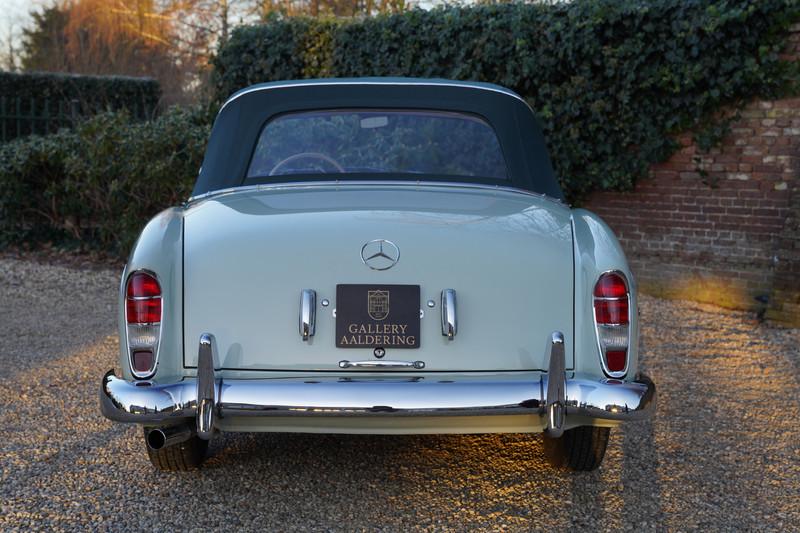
234	263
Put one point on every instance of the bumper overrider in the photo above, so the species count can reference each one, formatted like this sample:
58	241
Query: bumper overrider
556	394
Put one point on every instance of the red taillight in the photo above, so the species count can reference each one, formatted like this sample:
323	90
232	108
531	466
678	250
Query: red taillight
611	311
615	360
612	317
143	361
611	299
143	305
144	311
143	302
143	285
611	285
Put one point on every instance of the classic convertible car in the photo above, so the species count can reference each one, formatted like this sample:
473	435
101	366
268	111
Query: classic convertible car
381	256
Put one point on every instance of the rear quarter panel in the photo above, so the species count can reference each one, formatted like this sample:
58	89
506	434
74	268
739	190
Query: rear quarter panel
597	250
159	250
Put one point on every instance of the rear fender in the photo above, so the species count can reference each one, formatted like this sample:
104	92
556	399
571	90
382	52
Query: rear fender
597	250
159	250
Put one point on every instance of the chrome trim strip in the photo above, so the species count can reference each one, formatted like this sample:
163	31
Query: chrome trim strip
613	325
372	183
500	90
308	313
419	365
556	387
449	316
590	396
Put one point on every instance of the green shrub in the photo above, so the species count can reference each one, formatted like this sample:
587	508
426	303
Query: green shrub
31	171
97	185
612	81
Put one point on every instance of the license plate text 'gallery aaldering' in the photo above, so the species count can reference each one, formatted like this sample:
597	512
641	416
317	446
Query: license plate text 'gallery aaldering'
370	316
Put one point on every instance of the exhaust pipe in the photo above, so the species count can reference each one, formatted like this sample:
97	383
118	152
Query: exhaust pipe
159	438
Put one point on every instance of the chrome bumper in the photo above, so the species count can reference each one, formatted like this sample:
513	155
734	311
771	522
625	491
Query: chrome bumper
609	399
352	394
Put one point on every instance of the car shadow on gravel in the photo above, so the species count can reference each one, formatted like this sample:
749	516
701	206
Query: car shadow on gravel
640	480
435	477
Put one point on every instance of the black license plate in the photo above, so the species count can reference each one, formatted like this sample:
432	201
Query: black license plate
372	316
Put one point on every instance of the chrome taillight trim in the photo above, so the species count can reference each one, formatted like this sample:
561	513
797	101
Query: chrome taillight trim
597	326
157	348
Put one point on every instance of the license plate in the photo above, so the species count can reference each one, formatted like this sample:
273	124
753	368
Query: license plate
372	316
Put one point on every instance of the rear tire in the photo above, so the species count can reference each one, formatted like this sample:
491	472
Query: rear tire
186	455
581	448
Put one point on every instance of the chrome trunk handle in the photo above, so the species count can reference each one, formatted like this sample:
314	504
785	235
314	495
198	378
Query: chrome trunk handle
449	318
308	313
418	365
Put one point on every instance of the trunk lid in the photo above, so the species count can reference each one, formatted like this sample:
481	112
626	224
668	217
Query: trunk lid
249	254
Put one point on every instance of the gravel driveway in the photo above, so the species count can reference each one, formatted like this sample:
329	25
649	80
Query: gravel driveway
723	451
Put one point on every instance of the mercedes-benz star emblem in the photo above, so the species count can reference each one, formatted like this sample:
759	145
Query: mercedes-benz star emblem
380	254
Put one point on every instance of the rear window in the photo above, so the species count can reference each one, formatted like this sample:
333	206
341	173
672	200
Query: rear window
411	142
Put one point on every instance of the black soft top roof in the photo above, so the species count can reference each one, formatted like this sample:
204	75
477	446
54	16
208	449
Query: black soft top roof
241	119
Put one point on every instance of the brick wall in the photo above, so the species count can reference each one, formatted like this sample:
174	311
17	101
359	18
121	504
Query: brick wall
785	301
724	226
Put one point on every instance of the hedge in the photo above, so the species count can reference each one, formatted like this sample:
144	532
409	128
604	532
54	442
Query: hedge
95	186
612	81
41	102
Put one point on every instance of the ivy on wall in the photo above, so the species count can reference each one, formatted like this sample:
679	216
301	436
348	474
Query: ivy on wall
612	81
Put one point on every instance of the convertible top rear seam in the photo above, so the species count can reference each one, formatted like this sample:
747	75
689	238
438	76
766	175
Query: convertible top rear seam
367	183
431	83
